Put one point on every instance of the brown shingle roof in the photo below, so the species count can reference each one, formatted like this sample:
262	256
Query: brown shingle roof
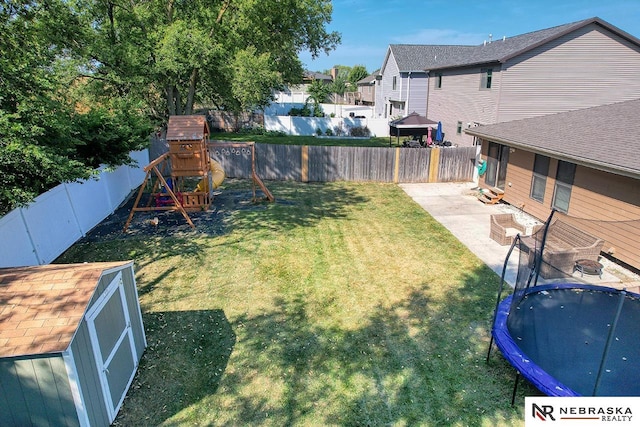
606	137
41	306
187	128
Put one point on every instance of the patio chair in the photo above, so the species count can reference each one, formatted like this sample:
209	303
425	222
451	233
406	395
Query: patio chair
504	228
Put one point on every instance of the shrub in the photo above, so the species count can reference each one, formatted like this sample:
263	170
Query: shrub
328	132
360	131
277	133
339	130
252	130
318	131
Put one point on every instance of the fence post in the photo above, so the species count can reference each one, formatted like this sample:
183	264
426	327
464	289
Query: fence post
304	167
434	163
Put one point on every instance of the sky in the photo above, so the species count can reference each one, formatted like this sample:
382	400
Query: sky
368	27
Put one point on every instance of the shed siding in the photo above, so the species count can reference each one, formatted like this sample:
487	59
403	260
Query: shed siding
599	201
461	99
36	392
131	294
569	74
88	377
135	314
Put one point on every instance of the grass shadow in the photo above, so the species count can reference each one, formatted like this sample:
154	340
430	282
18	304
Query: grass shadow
420	362
186	356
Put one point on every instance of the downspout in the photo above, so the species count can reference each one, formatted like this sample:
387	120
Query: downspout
426	106
406	104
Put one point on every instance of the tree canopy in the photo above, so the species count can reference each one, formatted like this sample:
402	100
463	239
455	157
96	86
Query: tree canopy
40	146
82	82
229	54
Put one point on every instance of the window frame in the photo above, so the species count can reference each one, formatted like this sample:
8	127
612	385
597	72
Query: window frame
565	175
539	176
438	81
394	84
486	78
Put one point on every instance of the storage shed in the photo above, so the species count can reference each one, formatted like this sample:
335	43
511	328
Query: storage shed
71	337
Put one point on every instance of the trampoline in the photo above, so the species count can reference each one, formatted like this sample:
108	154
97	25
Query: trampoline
572	340
567	339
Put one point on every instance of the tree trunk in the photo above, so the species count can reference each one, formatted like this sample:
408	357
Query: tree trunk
174	101
193	80
171	107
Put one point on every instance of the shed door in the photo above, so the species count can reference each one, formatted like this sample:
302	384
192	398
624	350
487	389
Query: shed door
113	345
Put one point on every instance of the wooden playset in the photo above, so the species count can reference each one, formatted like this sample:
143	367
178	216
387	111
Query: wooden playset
173	176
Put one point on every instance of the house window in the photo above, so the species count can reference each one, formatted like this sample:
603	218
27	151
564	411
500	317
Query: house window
438	80
485	79
395	82
564	182
539	180
459	128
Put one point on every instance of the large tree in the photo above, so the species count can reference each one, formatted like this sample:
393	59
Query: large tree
44	138
77	77
227	53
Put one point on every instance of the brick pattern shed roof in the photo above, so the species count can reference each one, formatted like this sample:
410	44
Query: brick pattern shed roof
187	128
41	306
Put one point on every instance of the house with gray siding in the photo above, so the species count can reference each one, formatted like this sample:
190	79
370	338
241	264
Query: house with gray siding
367	90
402	83
569	67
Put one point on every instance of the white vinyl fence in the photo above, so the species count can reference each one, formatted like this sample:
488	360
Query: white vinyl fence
42	231
292	125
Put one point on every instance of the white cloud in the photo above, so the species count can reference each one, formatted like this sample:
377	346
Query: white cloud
435	36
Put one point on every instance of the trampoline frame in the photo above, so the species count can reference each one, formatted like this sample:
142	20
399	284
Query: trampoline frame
523	364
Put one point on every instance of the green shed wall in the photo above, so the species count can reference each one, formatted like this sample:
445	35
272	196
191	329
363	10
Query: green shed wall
36	392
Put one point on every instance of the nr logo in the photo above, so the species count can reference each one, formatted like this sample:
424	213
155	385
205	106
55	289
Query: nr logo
544	412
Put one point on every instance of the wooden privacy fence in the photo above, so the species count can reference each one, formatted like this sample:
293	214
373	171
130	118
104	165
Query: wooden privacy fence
325	164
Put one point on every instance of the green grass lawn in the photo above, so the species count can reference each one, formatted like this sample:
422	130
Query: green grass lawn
341	304
271	138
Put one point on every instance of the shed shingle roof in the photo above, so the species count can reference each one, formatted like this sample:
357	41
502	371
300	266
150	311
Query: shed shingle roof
606	137
41	306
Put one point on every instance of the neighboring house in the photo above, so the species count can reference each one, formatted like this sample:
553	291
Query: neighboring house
568	67
367	90
402	83
299	93
585	163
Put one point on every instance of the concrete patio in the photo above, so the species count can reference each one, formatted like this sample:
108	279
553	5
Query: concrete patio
456	207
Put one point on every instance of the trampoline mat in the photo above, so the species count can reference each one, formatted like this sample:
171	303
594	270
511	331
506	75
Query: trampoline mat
564	331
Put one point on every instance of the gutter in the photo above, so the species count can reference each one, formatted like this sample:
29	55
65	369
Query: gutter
593	164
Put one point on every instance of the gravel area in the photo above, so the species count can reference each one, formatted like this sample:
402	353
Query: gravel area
212	222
